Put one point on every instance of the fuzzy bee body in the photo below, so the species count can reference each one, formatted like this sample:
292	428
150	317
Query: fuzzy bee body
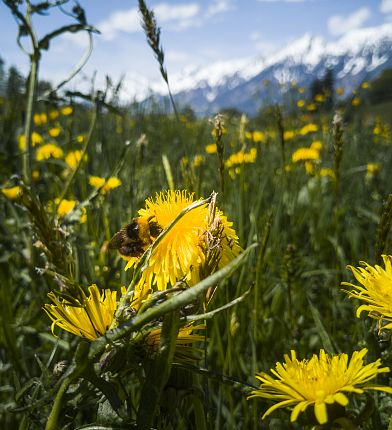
135	237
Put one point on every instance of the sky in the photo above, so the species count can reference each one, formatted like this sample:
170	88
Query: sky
195	32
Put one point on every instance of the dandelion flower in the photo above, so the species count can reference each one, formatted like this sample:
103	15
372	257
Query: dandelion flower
301	103
356	101
90	320
372	169
317	145
318	382
53	114
66	206
182	252
81	138
36	139
66	110
211	149
305	154
73	157
106	184
54	132
184	353
288	135
376	291
327	172
308	128
50	150
12	193
340	91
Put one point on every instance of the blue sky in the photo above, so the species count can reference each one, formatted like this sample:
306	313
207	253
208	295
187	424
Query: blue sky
195	32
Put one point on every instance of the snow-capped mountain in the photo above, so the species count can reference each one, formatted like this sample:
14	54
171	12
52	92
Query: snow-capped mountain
359	55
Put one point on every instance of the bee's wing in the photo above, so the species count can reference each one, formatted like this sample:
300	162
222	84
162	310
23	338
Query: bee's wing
117	240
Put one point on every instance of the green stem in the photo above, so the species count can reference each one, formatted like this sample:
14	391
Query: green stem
54	414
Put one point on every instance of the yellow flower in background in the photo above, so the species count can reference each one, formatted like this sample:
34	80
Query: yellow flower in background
310	167
12	193
90	320
40	119
53	114
255	136
81	138
35	175
50	150
54	132
66	206
36	139
288	135
319	98
372	169
365	85
340	91
308	128
327	172
197	161
211	148
376	291
66	110
301	103
106	184
241	157
182	252
316	145
73	157
184	352
311	107
356	101
301	90
320	381
305	154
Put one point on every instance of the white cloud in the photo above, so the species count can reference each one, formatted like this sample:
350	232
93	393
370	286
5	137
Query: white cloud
338	24
262	46
128	21
386	6
219	6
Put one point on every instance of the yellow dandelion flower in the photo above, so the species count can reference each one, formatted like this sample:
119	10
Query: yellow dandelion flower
376	291
309	167
197	161
37	119
90	320
319	98
81	138
301	103
184	352
305	154
288	135
365	85
211	149
340	91
54	132
108	184
50	150
255	136
66	110
53	114
317	145
35	175
66	206
301	90
311	107
36	139
372	169
73	157
318	382
12	193
308	128
241	157
182	252
356	101
327	172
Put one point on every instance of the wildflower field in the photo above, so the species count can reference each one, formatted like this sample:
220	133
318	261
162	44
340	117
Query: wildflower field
165	271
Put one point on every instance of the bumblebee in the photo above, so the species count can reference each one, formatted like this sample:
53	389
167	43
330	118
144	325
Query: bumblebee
135	237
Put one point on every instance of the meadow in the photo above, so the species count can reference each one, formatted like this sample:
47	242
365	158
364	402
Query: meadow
307	188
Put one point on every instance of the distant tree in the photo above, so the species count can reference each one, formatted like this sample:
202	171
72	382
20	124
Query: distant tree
381	88
15	84
2	77
324	87
43	87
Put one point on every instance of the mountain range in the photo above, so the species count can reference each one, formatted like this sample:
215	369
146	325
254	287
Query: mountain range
360	55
